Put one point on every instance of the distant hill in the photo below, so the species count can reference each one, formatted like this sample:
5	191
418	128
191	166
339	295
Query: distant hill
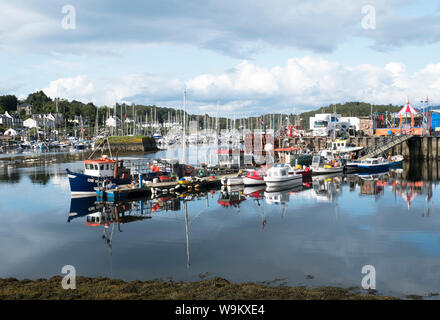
349	109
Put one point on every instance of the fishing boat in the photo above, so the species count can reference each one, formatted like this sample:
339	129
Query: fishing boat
321	165
254	178
374	165
95	172
281	176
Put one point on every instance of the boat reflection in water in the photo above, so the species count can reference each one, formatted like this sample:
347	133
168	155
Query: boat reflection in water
327	187
376	185
108	215
231	196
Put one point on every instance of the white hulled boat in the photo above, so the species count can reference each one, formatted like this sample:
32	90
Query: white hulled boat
278	177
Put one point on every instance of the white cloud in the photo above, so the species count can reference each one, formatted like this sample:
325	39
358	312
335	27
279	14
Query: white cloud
235	28
303	82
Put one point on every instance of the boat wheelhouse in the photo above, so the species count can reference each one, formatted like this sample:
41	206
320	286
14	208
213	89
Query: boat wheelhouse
281	176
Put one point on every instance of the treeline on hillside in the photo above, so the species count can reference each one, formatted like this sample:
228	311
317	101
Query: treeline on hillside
69	109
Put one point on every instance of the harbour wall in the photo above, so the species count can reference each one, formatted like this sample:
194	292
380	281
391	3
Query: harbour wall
132	144
416	148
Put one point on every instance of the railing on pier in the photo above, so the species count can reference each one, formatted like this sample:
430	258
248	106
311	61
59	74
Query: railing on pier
375	151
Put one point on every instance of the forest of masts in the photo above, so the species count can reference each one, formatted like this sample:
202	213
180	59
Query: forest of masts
148	122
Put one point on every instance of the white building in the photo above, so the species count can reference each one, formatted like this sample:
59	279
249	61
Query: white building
112	122
325	124
5	121
31	123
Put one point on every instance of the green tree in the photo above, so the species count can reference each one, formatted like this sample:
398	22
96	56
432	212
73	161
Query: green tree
38	100
8	102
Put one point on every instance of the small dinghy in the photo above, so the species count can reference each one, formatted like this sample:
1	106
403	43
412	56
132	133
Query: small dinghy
232	181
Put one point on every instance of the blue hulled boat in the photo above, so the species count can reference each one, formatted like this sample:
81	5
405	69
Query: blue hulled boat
96	171
372	165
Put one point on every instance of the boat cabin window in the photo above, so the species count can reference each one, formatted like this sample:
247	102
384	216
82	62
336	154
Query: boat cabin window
93	219
101	167
283	173
375	162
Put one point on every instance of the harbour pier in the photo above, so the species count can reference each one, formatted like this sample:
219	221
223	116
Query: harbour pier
139	190
426	148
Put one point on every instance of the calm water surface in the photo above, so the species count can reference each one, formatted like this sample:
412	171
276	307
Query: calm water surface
329	229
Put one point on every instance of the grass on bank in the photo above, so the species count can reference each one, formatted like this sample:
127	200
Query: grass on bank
126	139
212	289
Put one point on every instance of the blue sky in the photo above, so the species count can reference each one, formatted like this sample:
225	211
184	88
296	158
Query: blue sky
246	57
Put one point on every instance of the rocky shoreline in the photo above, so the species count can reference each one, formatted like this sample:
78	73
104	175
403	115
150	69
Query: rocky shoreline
102	288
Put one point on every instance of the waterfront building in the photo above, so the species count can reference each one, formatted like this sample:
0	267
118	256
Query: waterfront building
325	124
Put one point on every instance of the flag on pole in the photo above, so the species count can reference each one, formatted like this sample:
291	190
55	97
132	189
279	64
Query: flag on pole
261	121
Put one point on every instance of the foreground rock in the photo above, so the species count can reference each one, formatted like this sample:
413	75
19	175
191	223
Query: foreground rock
216	288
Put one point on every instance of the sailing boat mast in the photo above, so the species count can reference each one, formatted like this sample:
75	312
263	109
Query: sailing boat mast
184	127
96	121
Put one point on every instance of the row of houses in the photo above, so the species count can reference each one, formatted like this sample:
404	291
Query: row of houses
50	120
113	122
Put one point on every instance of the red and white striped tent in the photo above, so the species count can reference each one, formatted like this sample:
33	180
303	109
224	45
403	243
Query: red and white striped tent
407	111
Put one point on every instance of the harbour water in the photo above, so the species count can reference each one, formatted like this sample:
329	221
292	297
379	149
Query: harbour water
321	234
